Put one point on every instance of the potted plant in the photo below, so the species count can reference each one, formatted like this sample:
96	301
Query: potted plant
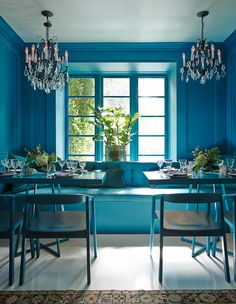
207	159
115	130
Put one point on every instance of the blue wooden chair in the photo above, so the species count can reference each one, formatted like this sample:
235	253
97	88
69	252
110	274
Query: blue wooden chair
230	220
192	223
56	224
10	228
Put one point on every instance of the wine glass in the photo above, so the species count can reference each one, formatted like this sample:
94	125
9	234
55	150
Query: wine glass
160	163
14	164
68	164
168	163
61	164
21	165
8	164
3	161
74	166
182	164
230	163
82	165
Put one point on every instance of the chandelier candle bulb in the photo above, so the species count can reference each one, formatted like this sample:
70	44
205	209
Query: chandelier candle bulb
219	56
212	51
26	55
184	57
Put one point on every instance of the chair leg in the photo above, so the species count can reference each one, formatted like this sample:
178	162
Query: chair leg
22	262
88	260
17	241
161	259
208	246
11	259
234	253
225	257
94	224
32	249
37	248
58	248
152	226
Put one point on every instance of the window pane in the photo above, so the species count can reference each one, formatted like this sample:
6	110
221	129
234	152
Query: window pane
151	106
80	106
82	87
116	87
151	145
81	145
151	87
81	126
150	158
151	126
117	102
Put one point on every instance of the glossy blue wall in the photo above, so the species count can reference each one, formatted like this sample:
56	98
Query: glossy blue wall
230	101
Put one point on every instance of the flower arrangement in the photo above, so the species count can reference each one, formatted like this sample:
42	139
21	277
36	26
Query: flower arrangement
206	159
39	160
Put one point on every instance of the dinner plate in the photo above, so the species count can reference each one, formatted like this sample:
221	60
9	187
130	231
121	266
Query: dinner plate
7	174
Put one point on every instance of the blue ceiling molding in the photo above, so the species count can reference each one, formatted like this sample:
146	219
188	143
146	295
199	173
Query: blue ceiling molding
10	34
230	42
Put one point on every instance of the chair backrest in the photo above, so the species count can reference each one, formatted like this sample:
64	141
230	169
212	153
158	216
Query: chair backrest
55	199
210	199
7	223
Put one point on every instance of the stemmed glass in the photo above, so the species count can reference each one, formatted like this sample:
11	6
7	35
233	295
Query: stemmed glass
230	163
3	161
8	164
74	166
160	163
168	163
21	165
68	164
82	165
182	164
61	164
14	164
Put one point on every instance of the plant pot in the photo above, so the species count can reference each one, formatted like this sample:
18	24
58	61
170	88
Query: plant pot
115	153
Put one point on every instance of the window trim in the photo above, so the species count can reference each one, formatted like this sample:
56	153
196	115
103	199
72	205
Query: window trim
133	108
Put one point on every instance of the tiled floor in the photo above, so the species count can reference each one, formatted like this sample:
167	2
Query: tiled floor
123	262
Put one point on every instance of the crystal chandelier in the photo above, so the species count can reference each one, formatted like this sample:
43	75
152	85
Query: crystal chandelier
45	69
203	64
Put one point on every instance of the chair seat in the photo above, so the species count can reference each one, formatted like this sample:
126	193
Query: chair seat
188	220
5	220
65	221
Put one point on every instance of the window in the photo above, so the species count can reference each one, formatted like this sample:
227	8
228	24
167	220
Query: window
151	130
145	94
81	95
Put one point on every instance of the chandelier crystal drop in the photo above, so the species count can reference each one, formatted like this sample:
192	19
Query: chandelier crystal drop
204	64
44	68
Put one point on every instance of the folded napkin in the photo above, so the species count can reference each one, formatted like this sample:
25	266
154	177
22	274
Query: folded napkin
63	174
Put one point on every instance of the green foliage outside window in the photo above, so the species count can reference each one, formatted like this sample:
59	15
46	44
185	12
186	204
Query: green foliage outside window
81	92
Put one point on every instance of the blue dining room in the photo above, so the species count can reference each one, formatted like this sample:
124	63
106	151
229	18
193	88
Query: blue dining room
117	151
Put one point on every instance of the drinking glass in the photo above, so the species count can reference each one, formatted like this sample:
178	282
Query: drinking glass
8	164
61	164
160	163
74	166
3	161
168	163
182	164
14	164
82	165
21	165
68	164
230	164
